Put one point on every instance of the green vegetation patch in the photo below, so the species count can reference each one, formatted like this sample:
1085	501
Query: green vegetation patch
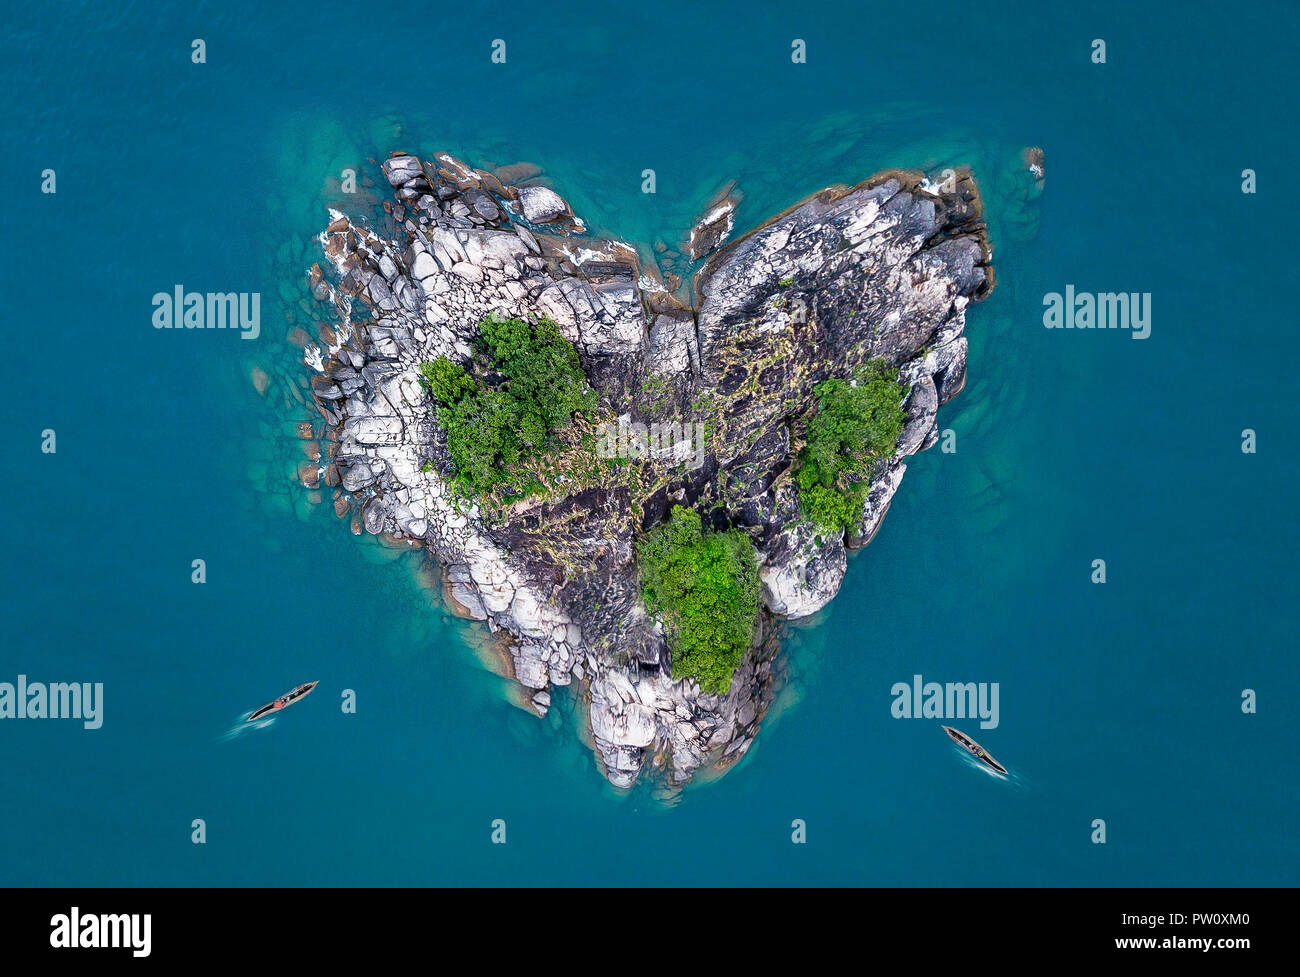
705	588
856	426
531	385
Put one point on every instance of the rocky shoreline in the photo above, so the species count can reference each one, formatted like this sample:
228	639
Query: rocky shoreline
883	269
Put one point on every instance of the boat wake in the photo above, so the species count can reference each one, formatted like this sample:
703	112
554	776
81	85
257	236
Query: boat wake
242	727
1011	778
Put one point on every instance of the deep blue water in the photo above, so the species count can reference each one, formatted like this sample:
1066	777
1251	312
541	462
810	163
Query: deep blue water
1118	701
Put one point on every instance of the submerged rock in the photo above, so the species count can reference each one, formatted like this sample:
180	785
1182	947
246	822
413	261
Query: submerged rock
260	379
1035	162
887	268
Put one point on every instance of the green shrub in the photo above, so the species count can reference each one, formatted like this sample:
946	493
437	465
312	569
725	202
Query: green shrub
856	426
447	381
831	508
494	429
705	588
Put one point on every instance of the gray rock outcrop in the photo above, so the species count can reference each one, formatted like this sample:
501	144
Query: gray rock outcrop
884	269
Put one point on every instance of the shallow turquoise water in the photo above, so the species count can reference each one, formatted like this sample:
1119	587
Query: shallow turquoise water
1117	702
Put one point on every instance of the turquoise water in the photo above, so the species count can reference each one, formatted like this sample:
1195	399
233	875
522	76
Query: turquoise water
1118	701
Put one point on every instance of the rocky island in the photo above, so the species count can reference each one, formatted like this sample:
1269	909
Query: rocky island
796	372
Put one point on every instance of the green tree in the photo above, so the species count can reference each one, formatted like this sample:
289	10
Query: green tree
856	426
494	429
447	381
705	588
